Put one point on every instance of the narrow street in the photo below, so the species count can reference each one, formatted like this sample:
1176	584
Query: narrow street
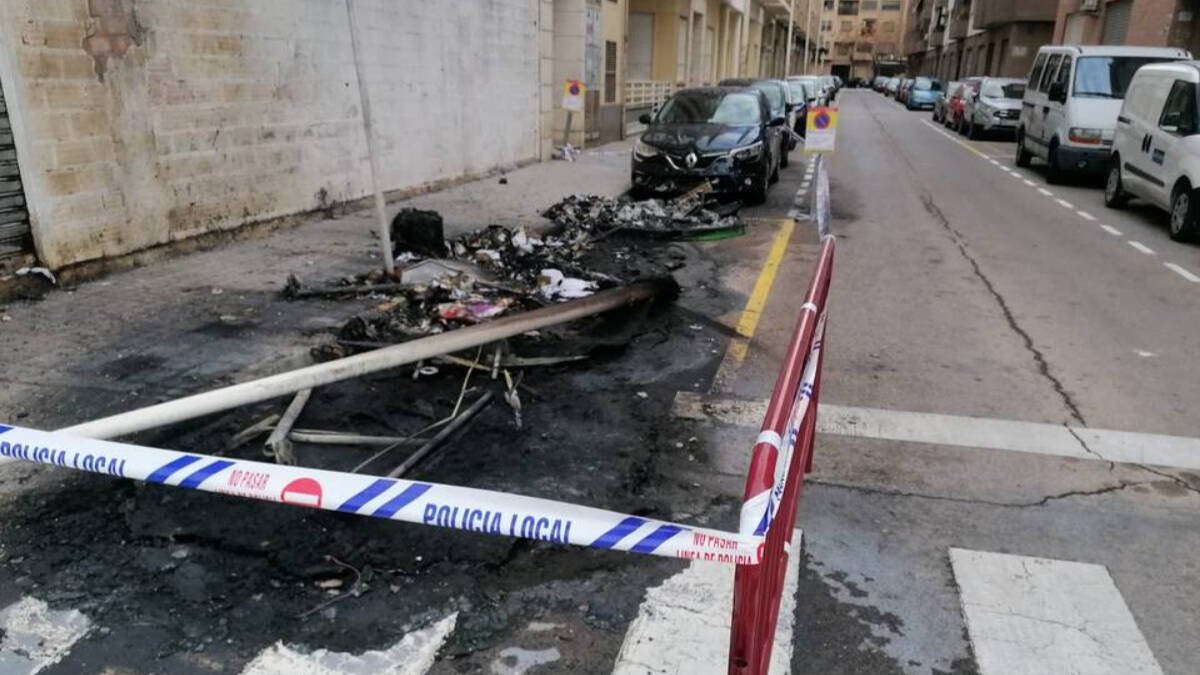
1008	386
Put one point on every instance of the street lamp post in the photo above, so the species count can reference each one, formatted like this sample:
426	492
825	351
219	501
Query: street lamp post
787	64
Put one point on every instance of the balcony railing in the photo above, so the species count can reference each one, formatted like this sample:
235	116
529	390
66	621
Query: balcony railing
641	93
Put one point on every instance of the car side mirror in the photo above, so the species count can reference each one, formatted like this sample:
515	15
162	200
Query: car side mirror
777	122
1057	92
645	118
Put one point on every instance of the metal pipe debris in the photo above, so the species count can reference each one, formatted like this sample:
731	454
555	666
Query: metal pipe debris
447	431
283	384
277	444
337	438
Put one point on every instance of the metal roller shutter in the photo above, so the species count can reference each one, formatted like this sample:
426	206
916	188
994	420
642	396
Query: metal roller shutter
1116	22
14	219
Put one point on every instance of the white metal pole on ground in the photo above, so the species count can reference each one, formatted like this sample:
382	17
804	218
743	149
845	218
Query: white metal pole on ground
787	64
358	365
385	234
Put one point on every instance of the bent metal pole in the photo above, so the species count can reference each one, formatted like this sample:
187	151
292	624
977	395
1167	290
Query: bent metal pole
351	367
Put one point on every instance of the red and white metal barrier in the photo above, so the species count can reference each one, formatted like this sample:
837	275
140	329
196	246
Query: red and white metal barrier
782	455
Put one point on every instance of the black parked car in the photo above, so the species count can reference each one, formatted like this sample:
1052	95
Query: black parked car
723	135
779	99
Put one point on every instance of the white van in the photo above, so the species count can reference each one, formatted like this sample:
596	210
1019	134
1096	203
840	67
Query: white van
1156	151
1071	103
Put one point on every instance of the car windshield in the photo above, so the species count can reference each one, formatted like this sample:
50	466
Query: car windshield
1108	76
926	84
1003	90
774	95
798	91
733	109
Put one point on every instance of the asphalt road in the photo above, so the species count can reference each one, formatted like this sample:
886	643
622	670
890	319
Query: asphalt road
961	288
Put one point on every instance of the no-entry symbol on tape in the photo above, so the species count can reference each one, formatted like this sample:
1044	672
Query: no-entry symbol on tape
821	130
302	492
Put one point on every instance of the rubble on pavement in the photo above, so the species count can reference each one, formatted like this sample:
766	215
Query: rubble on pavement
688	215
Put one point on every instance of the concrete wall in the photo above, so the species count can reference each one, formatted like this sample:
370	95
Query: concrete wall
142	122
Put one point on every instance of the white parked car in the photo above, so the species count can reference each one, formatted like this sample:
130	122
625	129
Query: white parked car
1156	150
995	106
1069	111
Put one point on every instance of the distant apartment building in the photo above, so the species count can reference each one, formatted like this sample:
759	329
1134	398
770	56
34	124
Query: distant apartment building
1151	23
953	39
857	33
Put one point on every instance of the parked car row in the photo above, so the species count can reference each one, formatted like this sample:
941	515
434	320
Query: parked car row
1131	114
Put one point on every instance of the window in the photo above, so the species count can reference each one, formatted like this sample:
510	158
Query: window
1039	64
1179	113
1107	76
826	25
610	71
842	48
847	26
847	7
828	5
887	6
1064	73
889	26
699	107
868	28
869	5
1048	73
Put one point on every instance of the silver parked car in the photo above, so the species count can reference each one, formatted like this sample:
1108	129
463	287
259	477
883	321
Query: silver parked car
996	107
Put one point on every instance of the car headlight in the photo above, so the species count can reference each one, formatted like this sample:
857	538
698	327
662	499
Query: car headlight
750	152
1085	136
645	150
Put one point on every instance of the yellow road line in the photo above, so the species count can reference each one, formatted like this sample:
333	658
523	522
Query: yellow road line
738	348
956	140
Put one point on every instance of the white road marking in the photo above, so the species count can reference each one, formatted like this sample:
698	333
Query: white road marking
1141	247
524	660
683	625
413	655
1086	216
1016	175
1180	452
1144	354
1111	230
1064	203
1029	182
994	162
1182	272
1029	616
1045	192
35	637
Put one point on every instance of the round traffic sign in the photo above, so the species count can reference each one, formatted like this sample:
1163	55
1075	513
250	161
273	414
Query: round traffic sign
822	121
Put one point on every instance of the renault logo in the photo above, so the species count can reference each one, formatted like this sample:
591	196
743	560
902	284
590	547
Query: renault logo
690	159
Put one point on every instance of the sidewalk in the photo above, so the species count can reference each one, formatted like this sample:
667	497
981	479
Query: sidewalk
197	321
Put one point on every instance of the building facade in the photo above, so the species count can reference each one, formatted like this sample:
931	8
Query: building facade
126	125
953	39
863	32
1150	23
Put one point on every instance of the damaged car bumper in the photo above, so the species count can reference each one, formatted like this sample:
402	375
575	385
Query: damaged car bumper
665	173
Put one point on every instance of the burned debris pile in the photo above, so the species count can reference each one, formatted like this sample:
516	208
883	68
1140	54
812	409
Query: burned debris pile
690	215
497	271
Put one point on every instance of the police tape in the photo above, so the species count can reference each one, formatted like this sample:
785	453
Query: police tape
758	511
418	502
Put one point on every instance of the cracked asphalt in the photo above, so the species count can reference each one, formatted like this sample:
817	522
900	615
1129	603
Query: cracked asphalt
958	291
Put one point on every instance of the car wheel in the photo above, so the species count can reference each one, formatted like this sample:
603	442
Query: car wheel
1114	193
972	129
1023	156
1183	213
960	125
757	193
1054	172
